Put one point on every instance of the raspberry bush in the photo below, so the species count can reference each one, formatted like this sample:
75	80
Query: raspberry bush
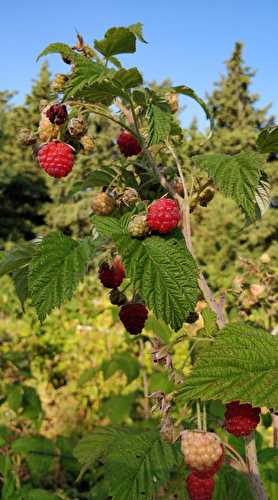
141	213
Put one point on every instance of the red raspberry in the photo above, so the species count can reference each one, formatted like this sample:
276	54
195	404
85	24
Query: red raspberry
133	317
56	158
57	114
112	277
163	215
199	489
128	145
203	452
241	419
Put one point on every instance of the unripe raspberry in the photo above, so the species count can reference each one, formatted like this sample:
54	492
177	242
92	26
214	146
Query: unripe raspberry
128	145
77	127
203	452
112	277
163	215
57	113
133	316
87	143
102	204
117	298
129	197
199	489
59	82
25	137
241	419
56	158
138	226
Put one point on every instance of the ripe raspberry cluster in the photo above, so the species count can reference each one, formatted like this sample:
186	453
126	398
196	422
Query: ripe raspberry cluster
163	215
199	489
56	158
112	277
133	316
241	419
128	145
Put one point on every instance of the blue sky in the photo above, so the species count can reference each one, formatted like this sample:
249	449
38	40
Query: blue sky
188	41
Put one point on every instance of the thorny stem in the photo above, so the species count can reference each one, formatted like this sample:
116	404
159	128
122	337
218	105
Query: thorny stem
275	430
145	382
252	463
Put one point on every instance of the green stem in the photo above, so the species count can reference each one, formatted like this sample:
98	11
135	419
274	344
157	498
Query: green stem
199	419
204	417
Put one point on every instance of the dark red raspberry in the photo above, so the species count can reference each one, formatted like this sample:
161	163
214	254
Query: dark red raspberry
133	317
56	158
128	145
163	215
57	114
112	277
241	419
199	489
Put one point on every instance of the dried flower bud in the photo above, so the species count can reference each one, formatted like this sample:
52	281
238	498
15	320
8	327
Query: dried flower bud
77	127
57	113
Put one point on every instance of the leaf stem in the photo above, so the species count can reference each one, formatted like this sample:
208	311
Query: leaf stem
204	416
199	419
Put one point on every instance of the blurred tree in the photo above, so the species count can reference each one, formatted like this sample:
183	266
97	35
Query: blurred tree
23	189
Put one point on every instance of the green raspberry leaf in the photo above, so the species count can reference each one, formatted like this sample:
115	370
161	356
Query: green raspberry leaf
64	50
236	176
161	269
241	364
55	271
159	122
116	41
137	30
128	78
267	140
138	464
183	89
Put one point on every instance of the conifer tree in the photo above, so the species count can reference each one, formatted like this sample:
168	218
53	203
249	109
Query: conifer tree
225	238
22	187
